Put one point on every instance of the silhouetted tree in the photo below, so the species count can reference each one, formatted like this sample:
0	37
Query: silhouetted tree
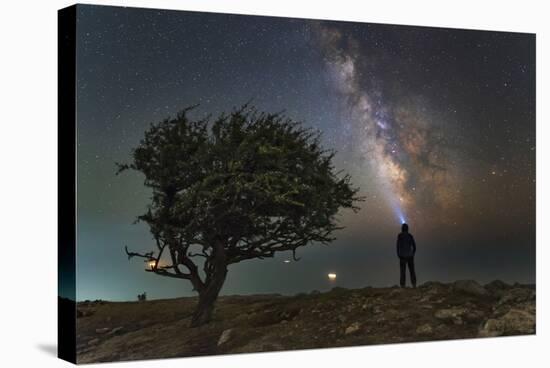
244	186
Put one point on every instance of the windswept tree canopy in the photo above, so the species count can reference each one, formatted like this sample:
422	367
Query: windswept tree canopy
243	186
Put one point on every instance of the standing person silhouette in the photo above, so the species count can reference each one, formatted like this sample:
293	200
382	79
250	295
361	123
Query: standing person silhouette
406	248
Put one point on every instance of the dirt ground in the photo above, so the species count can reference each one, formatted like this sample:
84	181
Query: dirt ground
118	331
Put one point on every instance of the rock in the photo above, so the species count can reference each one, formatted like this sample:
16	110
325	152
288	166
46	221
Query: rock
449	313
520	321
425	298
432	288
116	330
396	292
102	330
80	313
452	314
516	295
430	284
289	314
93	342
497	287
225	336
516	321
425	329
354	327
491	328
469	287
473	316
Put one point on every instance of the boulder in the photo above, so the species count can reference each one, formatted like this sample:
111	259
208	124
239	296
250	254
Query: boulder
469	287
516	295
497	287
515	322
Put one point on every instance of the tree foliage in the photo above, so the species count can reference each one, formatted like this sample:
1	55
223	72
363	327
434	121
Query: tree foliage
244	186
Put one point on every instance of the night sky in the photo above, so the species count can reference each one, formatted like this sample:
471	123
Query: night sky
436	126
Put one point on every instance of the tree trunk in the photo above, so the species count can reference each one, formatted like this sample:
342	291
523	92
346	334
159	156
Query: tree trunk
208	296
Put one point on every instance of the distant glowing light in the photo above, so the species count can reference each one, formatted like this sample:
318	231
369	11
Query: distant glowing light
152	264
331	276
286	261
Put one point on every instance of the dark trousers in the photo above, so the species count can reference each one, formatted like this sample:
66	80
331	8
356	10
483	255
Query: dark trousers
403	262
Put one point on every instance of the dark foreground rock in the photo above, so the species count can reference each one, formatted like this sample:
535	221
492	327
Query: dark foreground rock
110	331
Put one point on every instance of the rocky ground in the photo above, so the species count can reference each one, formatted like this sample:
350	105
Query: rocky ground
113	331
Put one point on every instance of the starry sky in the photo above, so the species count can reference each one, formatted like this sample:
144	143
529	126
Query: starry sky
436	126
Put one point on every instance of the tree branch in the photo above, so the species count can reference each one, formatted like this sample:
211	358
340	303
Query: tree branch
163	272
148	255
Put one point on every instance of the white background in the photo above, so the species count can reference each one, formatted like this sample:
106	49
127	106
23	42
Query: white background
28	182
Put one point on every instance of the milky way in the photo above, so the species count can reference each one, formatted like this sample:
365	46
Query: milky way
397	139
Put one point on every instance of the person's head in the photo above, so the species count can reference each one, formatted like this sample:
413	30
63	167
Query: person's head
405	228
